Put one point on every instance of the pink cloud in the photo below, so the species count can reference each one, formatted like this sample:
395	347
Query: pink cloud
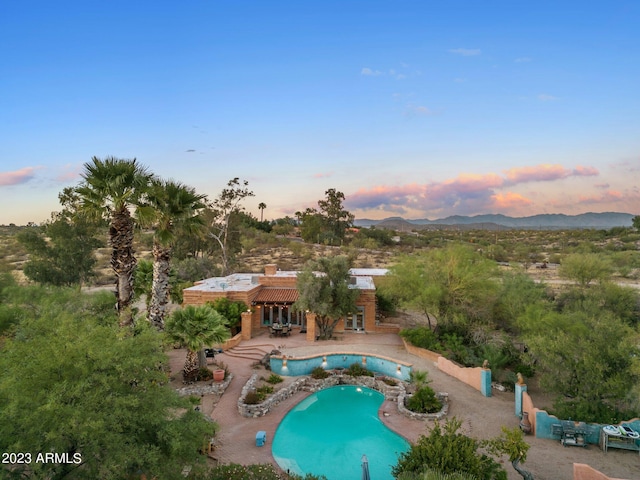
546	173
70	173
538	173
581	171
19	176
323	175
609	196
468	193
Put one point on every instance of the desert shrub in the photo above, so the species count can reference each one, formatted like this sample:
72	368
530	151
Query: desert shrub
357	370
274	379
252	398
390	381
200	375
319	373
264	391
448	451
423	401
421	337
234	471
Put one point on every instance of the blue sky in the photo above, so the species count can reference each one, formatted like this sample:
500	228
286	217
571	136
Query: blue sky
414	108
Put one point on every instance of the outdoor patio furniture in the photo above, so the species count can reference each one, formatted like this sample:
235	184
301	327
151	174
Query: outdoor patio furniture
261	438
571	434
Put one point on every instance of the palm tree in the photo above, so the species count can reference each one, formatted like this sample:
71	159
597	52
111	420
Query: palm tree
170	208
262	206
195	327
110	188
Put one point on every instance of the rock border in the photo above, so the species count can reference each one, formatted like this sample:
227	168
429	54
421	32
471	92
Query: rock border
306	383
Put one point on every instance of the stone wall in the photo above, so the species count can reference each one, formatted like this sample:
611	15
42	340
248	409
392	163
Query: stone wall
305	383
442	396
217	388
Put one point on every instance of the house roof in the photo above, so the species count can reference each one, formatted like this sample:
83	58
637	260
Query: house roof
276	295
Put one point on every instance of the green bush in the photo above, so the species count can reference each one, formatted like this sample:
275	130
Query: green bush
234	471
423	401
448	451
319	373
252	398
274	379
421	337
357	370
264	391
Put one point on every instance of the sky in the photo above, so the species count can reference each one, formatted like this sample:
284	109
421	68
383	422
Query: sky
419	109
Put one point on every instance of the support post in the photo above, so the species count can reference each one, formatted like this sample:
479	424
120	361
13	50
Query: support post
311	327
485	382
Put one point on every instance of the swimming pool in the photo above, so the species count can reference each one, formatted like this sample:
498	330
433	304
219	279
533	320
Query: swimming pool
328	432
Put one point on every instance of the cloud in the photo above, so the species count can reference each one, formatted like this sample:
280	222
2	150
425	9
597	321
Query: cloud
17	177
510	200
371	73
191	150
466	194
466	52
522	60
606	197
420	110
545	97
323	175
70	173
546	173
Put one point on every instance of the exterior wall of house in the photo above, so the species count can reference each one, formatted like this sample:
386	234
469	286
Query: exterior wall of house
273	278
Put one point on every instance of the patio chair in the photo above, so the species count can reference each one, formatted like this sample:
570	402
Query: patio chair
286	330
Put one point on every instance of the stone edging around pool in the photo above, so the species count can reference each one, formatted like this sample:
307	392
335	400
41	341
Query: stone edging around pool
395	394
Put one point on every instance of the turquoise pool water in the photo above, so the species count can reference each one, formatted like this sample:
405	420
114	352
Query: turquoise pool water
328	432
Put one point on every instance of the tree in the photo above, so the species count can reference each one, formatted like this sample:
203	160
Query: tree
60	252
231	310
446	283
584	268
111	187
195	327
636	222
261	207
324	289
73	385
223	209
511	443
447	451
586	360
338	219
171	209
330	223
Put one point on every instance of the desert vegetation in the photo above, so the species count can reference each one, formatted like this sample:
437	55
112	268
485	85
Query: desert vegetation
559	307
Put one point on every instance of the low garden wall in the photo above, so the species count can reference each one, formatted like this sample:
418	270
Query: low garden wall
476	377
541	421
217	388
394	393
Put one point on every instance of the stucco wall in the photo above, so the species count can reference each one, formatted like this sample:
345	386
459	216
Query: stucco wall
582	471
470	375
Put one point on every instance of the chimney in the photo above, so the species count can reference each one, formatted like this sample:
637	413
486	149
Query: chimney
270	269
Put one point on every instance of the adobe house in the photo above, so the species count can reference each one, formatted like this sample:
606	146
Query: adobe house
270	296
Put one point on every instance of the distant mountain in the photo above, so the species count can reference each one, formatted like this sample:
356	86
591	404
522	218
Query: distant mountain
498	222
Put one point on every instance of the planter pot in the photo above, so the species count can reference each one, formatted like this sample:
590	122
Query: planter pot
218	375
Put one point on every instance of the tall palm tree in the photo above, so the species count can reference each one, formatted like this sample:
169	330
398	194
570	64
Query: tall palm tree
109	190
262	206
171	208
195	327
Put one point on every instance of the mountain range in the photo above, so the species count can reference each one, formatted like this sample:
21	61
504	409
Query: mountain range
554	221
